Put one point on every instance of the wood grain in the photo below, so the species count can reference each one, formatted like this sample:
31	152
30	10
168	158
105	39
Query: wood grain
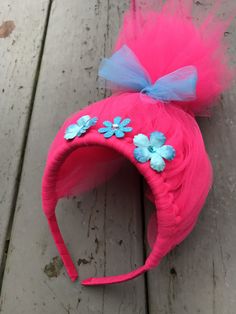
103	228
21	35
199	275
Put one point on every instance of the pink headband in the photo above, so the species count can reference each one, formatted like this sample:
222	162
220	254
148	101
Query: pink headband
161	81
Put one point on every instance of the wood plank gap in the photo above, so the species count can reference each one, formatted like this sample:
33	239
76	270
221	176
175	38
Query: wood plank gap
107	93
24	143
142	201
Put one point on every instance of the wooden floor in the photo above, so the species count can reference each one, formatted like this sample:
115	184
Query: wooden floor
49	56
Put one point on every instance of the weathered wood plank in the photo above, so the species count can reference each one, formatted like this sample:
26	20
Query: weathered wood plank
102	228
21	33
199	276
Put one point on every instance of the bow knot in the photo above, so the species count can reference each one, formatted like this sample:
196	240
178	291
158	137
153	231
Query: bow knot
124	70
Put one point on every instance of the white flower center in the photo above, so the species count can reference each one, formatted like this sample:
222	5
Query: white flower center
115	126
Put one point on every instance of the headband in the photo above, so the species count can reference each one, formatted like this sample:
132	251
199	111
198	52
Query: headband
159	86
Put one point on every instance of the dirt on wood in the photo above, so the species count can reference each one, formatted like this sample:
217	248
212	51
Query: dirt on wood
53	269
6	28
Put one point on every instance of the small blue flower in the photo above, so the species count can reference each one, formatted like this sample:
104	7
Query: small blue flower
153	149
81	126
117	128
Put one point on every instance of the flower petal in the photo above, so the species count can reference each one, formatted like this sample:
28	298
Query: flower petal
157	139
119	133
81	131
125	122
83	120
104	130
142	154
117	120
141	140
109	133
126	129
157	163
107	123
92	122
167	152
71	132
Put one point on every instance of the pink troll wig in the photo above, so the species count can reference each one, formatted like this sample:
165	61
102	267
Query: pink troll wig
165	70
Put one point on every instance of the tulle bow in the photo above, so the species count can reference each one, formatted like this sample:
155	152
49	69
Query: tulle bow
124	71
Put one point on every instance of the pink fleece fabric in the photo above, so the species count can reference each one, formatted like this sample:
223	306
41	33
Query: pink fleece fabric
163	41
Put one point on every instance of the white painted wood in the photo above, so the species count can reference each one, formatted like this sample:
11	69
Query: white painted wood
106	222
21	33
199	276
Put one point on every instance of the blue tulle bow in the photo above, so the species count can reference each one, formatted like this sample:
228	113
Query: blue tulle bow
124	71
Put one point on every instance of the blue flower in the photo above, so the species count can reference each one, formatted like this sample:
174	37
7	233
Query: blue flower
117	128
81	126
153	149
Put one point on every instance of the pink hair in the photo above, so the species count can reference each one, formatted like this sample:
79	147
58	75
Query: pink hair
163	41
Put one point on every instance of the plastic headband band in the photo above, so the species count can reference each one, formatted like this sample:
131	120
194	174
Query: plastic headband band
163	200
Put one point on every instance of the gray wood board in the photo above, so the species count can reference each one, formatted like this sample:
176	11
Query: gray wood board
103	228
21	33
199	275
